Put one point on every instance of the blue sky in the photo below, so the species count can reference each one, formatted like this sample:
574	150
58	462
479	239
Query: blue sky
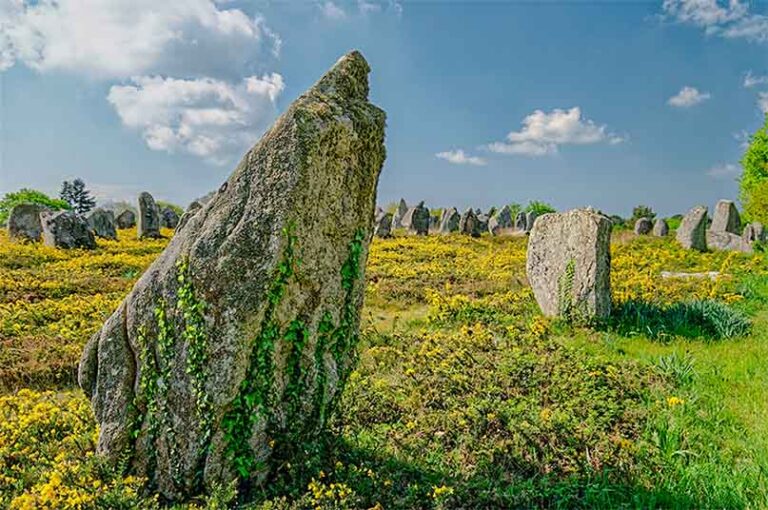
575	103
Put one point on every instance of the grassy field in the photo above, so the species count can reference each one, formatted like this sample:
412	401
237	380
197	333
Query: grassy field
464	397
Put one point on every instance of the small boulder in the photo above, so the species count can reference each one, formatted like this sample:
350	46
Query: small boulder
24	222
726	218
754	232
149	217
660	228
449	222
719	240
569	264
66	229
126	219
643	226
102	222
692	232
418	220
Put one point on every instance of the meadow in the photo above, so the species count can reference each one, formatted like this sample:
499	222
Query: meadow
465	396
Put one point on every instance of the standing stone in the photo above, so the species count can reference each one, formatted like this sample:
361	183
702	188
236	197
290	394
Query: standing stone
102	222
418	220
229	354
169	218
520	221
24	222
397	218
643	226
149	217
482	221
660	228
383	227
449	222
66	229
726	218
126	219
569	264
530	219
719	240
753	232
468	223
500	221
692	232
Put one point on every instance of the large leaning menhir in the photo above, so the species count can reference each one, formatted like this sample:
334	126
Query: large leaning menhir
228	354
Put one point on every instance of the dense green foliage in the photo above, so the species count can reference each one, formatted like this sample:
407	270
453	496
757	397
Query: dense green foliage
538	207
754	179
28	196
77	196
642	211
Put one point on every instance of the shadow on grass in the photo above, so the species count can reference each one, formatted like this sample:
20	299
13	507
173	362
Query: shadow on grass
710	320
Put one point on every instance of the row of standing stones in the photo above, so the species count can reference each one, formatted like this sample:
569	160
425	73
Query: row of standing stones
67	229
418	220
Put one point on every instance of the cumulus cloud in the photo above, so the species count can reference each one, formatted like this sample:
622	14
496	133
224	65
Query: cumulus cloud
205	117
724	171
731	20
458	157
332	11
542	133
123	38
687	97
750	80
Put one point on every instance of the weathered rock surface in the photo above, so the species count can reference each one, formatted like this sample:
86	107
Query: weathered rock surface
468	223
418	220
102	222
195	206
227	356
501	220
169	218
383	227
520	221
753	232
149	217
643	226
530	219
726	218
126	219
66	229
24	222
727	241
660	228
569	264
692	232
397	218
449	222
482	221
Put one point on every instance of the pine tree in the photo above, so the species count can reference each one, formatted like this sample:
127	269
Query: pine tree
77	196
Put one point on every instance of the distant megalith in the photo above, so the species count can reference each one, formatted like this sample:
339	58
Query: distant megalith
468	223
482	220
502	220
227	357
102	222
753	232
126	219
643	226
449	221
397	217
569	264
169	218
692	232
383	225
24	222
149	217
530	219
520	221
660	228
418	220
66	229
726	218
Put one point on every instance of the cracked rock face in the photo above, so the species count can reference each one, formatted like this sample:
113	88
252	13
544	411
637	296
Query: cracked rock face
66	229
24	222
227	356
569	263
692	232
726	218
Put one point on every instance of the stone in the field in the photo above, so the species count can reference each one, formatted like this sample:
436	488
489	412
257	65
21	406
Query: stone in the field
660	228
397	218
720	240
169	218
569	264
753	232
520	221
501	220
102	222
692	232
530	219
418	220
149	217
66	229
449	222
482	221
468	223
643	226
726	218
227	357
24	222
126	219
383	226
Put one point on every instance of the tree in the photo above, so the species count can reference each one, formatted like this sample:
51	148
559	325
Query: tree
753	187
642	211
28	196
538	207
77	196
514	209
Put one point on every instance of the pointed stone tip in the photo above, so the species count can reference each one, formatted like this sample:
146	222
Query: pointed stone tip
347	78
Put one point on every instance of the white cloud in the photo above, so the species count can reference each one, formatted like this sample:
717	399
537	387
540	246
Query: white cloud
123	38
332	11
543	133
687	97
458	157
731	20
762	102
743	138
724	171
750	80
209	118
